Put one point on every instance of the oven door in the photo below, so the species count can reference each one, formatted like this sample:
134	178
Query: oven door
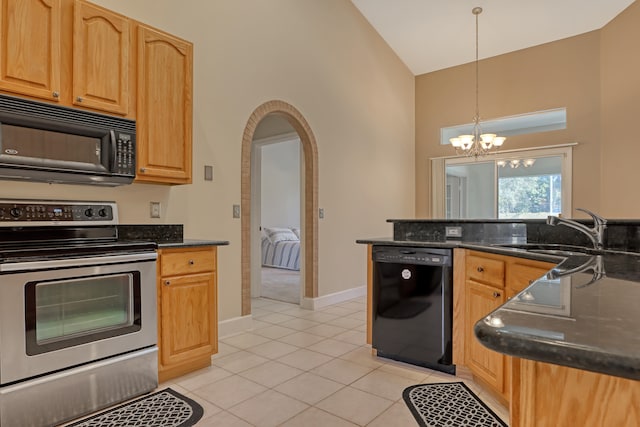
53	318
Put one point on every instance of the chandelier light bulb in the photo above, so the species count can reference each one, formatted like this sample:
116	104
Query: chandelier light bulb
498	141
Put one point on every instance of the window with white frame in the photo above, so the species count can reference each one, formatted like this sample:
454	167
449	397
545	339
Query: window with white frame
512	184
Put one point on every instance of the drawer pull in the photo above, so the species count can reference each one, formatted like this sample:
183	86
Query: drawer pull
480	269
191	262
496	294
167	282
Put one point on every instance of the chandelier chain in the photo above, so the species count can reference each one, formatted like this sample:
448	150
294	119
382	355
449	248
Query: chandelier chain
477	120
477	143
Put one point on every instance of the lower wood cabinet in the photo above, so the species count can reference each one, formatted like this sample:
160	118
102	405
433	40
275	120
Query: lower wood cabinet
187	310
486	282
484	363
552	395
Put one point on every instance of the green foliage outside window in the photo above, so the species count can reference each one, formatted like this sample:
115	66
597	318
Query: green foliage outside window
529	196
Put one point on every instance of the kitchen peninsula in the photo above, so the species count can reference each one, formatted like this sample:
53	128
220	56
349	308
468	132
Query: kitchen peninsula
564	348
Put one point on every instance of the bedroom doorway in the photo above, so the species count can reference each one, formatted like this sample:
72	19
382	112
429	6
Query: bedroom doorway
276	203
251	261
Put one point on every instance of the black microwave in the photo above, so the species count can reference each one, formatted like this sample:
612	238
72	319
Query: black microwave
50	143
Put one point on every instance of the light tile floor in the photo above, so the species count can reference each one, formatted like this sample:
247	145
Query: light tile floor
306	368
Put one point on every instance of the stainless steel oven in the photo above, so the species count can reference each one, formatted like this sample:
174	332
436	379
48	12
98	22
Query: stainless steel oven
78	321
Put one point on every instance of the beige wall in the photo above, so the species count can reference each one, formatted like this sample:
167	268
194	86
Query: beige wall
593	75
620	148
323	58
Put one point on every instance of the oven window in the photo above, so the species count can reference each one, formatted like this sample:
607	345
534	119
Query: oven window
64	313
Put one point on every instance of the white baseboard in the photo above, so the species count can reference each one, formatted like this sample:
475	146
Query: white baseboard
234	326
334	298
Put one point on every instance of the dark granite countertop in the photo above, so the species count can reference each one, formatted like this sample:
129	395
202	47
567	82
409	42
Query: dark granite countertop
587	320
583	314
165	235
186	243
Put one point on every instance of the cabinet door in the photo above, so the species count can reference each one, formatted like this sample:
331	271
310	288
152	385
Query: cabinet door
484	363
188	317
30	47
101	41
164	111
521	274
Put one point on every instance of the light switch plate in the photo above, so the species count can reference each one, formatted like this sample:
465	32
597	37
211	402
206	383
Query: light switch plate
321	213
208	173
236	211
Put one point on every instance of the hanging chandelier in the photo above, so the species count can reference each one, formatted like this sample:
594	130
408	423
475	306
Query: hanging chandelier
478	143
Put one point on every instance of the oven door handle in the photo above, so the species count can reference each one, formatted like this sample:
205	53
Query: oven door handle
78	262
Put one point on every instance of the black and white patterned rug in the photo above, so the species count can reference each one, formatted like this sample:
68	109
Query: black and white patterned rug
164	408
449	405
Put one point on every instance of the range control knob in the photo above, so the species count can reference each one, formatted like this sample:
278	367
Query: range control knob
89	213
102	212
16	212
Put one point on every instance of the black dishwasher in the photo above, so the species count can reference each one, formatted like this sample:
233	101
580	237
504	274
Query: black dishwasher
413	305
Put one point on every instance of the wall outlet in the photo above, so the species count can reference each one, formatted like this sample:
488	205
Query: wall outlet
453	231
155	210
236	211
321	213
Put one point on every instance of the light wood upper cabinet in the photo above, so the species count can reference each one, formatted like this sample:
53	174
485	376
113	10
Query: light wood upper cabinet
80	55
101	60
164	111
30	47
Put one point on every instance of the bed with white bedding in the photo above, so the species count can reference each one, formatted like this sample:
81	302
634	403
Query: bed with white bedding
281	248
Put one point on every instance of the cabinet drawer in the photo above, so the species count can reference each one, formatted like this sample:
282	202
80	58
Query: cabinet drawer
187	261
485	270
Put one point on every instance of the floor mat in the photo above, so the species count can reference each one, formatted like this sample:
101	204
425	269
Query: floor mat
449	404
165	408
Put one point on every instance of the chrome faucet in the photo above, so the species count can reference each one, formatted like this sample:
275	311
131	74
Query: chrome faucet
595	264
596	234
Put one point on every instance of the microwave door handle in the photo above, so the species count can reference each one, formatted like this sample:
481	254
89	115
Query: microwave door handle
112	160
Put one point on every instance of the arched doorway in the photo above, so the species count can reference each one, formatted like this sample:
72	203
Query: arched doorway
310	178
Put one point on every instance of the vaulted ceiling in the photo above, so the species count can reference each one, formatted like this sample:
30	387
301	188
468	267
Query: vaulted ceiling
430	35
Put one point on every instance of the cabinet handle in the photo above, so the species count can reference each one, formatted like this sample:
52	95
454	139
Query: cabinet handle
79	99
143	170
480	269
496	294
56	94
167	282
191	262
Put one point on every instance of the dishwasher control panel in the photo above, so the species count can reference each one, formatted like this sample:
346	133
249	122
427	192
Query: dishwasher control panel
418	256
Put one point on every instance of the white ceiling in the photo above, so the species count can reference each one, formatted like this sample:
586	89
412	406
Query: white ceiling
430	35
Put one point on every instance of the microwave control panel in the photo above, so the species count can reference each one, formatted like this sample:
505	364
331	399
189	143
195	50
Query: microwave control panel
125	154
